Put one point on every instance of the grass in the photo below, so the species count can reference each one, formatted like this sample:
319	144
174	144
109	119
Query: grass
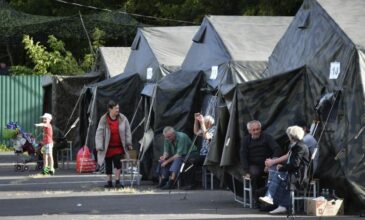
4	148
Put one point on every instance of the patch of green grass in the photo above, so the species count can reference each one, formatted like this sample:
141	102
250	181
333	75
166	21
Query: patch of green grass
4	148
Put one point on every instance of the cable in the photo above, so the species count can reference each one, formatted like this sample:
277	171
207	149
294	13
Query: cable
122	12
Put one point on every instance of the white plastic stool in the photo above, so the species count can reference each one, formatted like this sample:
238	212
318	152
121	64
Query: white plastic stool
247	192
311	194
130	172
314	187
205	174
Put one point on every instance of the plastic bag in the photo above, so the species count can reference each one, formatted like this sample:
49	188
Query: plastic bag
84	164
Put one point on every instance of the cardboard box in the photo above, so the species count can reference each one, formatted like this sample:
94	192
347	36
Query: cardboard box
323	207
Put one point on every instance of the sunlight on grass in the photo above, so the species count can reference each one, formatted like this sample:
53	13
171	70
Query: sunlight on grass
38	175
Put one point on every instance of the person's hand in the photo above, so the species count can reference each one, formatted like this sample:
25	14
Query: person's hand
200	118
196	115
279	166
130	147
164	164
162	158
269	162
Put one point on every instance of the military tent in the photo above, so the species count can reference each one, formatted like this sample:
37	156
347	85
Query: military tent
111	61
158	51
61	97
94	99
327	37
226	50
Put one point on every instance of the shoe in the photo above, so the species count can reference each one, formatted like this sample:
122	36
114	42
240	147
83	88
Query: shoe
45	171
168	185
267	200
118	185
188	187
267	208
279	210
162	183
109	184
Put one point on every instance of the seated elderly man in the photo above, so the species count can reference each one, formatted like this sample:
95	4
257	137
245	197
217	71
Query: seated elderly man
257	146
176	148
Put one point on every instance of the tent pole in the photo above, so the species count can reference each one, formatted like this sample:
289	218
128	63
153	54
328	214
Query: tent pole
9	54
135	112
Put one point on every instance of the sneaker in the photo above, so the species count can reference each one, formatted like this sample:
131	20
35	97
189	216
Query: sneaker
279	210
162	183
45	171
109	184
168	185
267	200
118	185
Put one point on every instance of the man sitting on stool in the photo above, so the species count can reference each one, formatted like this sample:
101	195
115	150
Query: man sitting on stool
176	147
257	146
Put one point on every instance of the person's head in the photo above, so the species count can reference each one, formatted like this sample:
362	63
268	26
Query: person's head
301	123
169	133
208	121
295	133
254	129
47	118
113	108
2	65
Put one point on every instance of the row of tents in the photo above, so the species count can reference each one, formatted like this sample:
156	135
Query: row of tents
236	68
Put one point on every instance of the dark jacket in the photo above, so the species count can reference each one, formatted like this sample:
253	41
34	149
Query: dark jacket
297	165
256	151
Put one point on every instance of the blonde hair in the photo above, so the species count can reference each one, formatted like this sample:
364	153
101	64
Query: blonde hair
295	133
209	119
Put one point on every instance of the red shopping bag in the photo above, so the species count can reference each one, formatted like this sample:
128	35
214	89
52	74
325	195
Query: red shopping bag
84	164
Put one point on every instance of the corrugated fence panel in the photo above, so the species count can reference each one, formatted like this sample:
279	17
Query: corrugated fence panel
21	100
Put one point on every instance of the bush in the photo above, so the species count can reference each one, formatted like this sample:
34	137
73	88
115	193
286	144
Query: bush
9	133
4	148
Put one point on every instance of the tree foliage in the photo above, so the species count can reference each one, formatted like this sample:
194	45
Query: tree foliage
186	10
56	59
195	10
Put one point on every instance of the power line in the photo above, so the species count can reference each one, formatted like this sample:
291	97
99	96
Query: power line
122	12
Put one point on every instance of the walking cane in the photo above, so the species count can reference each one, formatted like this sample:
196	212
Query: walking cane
185	160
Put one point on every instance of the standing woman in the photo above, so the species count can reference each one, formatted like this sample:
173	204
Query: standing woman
112	140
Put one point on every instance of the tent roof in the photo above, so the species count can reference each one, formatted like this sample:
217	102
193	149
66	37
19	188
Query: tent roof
349	15
250	38
169	44
114	59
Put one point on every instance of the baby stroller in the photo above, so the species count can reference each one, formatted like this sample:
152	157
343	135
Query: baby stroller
26	145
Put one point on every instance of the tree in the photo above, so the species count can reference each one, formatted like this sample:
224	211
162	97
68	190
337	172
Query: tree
56	60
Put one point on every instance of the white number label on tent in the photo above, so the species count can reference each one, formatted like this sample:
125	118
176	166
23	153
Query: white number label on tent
335	70
214	73
149	73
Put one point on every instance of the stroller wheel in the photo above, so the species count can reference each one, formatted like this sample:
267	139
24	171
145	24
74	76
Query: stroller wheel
39	166
25	168
18	168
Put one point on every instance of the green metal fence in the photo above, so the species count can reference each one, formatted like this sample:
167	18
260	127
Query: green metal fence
21	100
